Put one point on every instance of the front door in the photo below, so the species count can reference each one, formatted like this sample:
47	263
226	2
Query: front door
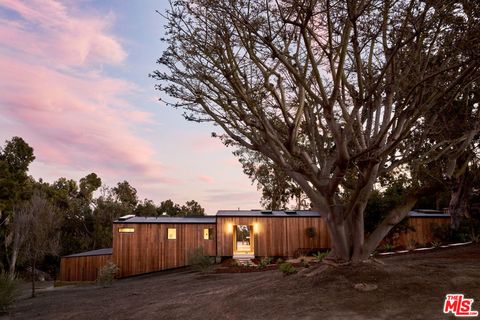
243	239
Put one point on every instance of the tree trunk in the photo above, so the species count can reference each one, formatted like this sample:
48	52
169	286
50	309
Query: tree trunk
392	219
17	242
459	199
33	277
13	262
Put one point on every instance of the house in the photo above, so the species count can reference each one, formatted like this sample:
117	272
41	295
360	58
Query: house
148	244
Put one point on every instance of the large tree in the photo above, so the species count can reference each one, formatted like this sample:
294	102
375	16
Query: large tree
328	90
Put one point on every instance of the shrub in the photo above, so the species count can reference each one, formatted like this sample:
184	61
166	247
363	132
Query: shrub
388	247
287	268
264	263
436	244
8	291
319	256
199	261
106	274
411	245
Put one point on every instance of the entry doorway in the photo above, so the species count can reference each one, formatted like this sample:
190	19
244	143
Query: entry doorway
243	239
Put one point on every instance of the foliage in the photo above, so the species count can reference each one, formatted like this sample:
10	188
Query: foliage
8	291
278	189
411	245
199	260
335	112
287	268
192	208
38	223
169	208
106	274
387	247
264	262
319	256
126	195
15	185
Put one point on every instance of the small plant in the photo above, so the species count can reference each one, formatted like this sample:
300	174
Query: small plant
388	247
264	263
106	274
304	262
8	291
199	260
287	268
280	261
412	244
436	244
319	256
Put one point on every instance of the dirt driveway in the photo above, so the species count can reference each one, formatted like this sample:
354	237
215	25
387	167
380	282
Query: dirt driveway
410	286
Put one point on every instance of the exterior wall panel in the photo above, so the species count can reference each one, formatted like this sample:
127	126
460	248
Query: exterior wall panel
147	249
274	236
82	268
424	231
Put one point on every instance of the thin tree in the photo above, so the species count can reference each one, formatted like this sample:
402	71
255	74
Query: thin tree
36	232
330	91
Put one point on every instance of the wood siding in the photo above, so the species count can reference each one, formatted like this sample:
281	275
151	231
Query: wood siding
274	236
82	268
424	231
148	249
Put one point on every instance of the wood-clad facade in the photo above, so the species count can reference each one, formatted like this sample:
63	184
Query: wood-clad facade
148	244
149	249
421	231
82	267
273	236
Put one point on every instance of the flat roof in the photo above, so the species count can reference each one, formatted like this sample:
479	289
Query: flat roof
417	214
268	213
168	219
98	252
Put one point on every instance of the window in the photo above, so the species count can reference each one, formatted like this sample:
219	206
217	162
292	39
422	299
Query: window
126	230
172	233
208	234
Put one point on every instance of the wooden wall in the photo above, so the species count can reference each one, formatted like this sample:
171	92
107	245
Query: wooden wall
148	249
82	268
274	236
424	231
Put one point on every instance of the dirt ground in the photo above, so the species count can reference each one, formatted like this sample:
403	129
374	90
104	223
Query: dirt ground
410	286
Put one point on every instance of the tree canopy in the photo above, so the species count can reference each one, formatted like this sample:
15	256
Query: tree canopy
335	93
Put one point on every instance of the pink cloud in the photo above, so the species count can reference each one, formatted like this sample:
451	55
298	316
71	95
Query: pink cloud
205	178
205	143
49	30
54	91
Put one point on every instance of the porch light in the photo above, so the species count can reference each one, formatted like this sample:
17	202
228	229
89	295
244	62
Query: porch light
229	228
256	228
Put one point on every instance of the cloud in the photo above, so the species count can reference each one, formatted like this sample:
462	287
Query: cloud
48	30
205	178
55	93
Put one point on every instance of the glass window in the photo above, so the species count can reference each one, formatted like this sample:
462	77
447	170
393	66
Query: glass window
126	230
172	233
208	234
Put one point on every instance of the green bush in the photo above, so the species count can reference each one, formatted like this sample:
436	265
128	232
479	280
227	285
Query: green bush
8	291
319	256
199	260
264	263
287	268
106	274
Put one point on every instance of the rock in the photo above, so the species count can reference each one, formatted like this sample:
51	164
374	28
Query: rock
365	286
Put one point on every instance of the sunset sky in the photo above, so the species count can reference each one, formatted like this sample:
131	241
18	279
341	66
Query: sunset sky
74	84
